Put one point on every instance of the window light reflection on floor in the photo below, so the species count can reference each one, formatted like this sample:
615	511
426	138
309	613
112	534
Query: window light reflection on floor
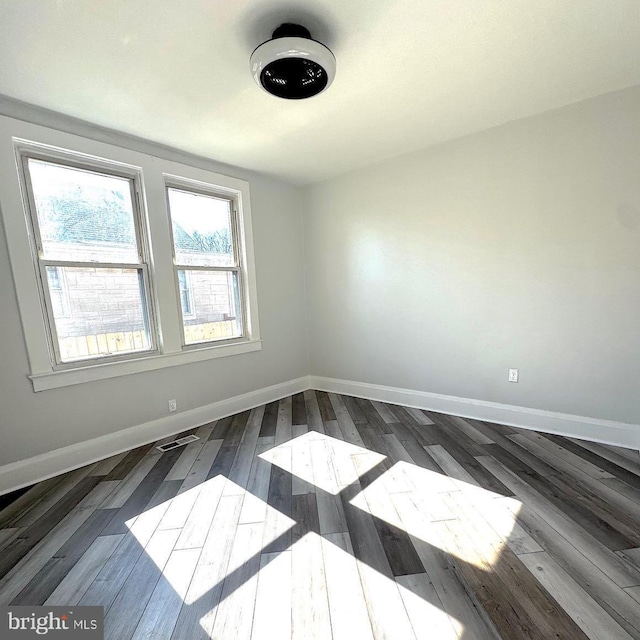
445	512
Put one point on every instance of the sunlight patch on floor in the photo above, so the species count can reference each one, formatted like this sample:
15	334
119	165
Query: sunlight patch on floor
332	452
438	509
448	513
149	525
469	522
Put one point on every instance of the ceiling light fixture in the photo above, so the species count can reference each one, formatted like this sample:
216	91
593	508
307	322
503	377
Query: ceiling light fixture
292	65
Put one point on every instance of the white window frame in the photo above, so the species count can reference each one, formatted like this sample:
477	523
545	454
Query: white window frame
191	186
26	152
154	171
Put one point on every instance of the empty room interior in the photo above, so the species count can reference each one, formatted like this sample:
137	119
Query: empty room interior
320	320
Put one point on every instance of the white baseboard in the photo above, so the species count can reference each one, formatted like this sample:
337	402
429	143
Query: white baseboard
25	472
620	434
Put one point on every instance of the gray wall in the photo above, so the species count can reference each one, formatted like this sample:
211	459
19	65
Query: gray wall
437	271
33	423
516	247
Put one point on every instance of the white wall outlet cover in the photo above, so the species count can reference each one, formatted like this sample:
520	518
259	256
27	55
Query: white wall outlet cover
513	375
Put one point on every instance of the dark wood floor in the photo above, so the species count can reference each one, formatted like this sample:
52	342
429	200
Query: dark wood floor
325	516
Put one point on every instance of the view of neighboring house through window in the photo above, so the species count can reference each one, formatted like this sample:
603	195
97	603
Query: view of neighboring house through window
92	267
58	293
207	265
112	290
185	293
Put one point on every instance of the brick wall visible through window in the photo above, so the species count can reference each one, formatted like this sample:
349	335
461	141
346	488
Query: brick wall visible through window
207	265
91	241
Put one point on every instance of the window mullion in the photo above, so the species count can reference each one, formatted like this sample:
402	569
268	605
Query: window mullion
161	263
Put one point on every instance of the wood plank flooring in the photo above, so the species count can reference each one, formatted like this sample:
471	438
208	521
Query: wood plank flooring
322	516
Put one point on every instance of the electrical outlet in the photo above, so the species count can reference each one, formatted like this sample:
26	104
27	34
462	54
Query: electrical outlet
513	375
173	405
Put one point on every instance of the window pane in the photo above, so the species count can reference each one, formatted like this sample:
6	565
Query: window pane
106	313
201	229
185	302
57	293
216	311
53	275
83	216
185	293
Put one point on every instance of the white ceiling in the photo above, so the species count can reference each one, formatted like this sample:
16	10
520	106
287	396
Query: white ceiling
411	73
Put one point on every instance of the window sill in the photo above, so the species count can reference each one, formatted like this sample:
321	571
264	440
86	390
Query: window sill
68	377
